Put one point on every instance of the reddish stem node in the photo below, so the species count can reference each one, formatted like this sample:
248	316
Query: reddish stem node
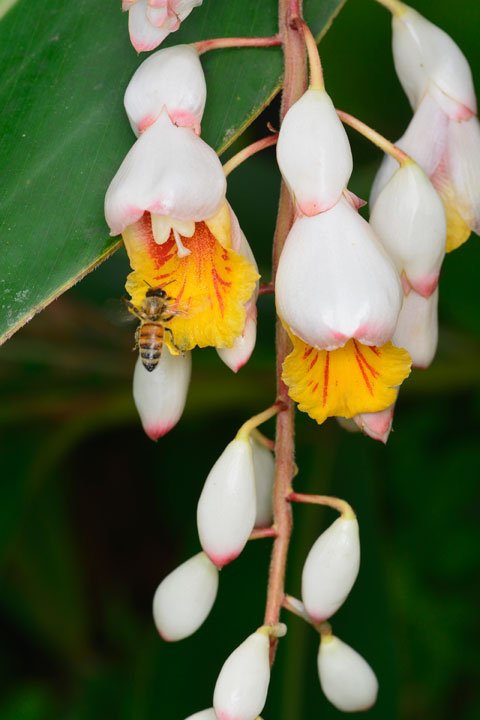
266	289
259	533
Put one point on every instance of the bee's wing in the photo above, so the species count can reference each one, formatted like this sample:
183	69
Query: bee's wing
118	313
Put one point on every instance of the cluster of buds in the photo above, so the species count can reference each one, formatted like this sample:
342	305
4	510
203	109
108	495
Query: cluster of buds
358	300
168	201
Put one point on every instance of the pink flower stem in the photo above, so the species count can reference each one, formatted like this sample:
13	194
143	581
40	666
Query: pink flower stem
204	46
295	84
375	138
247	152
259	533
341	506
296	607
266	289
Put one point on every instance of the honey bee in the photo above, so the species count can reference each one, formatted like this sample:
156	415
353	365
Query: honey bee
154	314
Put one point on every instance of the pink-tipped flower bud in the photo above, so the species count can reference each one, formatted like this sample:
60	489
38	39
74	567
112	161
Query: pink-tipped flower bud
239	354
160	395
346	678
172	77
184	598
409	219
417	328
208	714
264	465
331	569
313	153
242	685
227	507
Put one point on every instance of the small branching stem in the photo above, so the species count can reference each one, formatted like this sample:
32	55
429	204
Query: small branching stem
203	46
341	506
256	420
260	533
395	7
316	72
375	137
295	606
247	152
266	289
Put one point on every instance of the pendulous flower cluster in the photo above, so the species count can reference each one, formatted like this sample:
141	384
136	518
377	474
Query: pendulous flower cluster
168	199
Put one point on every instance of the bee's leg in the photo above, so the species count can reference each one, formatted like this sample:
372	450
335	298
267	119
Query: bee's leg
167	329
137	338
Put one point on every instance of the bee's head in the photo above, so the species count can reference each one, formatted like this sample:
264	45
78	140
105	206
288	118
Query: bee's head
158	292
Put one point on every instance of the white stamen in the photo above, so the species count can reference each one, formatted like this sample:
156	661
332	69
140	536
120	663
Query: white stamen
182	250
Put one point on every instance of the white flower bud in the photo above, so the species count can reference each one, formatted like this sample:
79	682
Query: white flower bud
239	354
335	281
409	219
264	465
208	714
346	678
313	153
184	598
226	509
426	57
172	77
417	328
242	685
160	395
331	569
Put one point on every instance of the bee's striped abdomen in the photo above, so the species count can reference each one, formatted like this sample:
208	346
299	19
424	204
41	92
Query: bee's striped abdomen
150	342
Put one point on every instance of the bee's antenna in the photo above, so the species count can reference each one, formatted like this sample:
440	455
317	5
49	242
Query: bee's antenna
146	282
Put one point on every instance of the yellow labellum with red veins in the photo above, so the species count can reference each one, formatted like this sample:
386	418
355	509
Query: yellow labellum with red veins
344	382
209	285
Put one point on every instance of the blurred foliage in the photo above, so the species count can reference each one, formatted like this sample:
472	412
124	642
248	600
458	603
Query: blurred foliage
93	514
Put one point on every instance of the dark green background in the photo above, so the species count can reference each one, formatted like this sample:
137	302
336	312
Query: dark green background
93	514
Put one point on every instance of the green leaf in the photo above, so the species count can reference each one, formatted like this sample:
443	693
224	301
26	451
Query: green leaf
65	67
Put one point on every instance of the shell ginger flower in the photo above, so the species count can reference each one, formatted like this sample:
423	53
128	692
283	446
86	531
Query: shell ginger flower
150	21
339	296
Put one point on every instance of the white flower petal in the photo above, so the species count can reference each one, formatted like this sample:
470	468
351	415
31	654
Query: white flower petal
335	281
417	328
143	35
346	678
172	77
376	425
313	152
226	508
160	395
423	53
409	219
264	464
208	714
242	686
184	598
331	569
424	140
464	166
239	354
169	171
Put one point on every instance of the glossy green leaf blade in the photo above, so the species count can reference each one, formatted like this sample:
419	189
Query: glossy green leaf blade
64	132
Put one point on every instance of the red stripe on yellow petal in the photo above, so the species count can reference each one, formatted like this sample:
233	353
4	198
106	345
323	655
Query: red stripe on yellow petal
209	286
345	382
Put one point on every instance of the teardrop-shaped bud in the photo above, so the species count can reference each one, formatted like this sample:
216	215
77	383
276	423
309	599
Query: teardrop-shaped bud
208	714
313	153
184	598
417	328
264	465
160	395
172	77
242	685
239	354
346	678
409	219
331	569
227	507
426	57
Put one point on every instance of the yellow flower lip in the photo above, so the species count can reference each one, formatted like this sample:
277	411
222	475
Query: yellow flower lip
208	284
345	382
